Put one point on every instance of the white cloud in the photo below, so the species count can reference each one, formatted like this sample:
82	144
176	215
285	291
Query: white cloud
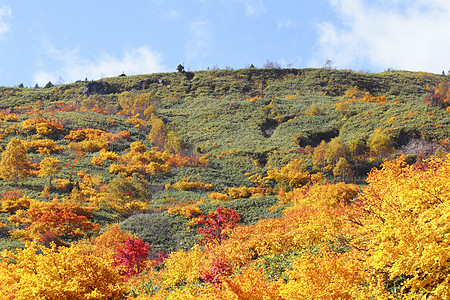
402	34
284	24
172	15
199	41
5	11
67	64
254	7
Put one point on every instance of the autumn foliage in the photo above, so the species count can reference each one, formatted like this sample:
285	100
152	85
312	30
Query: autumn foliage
131	256
232	184
37	272
215	225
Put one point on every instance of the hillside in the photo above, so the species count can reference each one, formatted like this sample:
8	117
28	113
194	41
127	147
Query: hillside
154	153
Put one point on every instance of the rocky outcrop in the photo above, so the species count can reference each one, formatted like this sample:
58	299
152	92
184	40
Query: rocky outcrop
96	87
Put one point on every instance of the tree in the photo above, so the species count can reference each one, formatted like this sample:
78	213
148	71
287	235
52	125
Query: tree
440	95
328	65
319	155
215	224
407	209
128	193
131	256
271	65
380	144
49	168
334	151
292	175
158	133
343	168
174	143
180	68
14	165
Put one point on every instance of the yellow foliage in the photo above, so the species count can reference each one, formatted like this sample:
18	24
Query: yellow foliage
158	133
300	228
252	99
250	284
321	195
58	273
90	140
342	168
110	239
136	120
142	161
12	205
10	117
408	224
109	155
239	192
218	196
49	167
185	185
62	184
105	155
14	164
353	92
43	146
41	126
137	146
96	160
380	144
184	266
188	210
293	175
327	275
313	110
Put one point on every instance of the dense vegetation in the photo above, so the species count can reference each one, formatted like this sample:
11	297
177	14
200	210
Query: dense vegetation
227	184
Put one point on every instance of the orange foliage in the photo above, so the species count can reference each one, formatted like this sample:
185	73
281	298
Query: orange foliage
151	162
185	185
250	284
59	219
300	228
13	201
41	126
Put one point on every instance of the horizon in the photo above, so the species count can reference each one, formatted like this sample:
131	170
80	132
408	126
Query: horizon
219	69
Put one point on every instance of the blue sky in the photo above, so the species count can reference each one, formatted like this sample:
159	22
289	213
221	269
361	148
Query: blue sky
65	41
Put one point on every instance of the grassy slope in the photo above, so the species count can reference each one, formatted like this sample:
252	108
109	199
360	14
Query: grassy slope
243	119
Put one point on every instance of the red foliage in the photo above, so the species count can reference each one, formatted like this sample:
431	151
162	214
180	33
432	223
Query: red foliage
220	268
215	225
132	256
50	237
158	258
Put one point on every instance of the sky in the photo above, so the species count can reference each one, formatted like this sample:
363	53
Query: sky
66	41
